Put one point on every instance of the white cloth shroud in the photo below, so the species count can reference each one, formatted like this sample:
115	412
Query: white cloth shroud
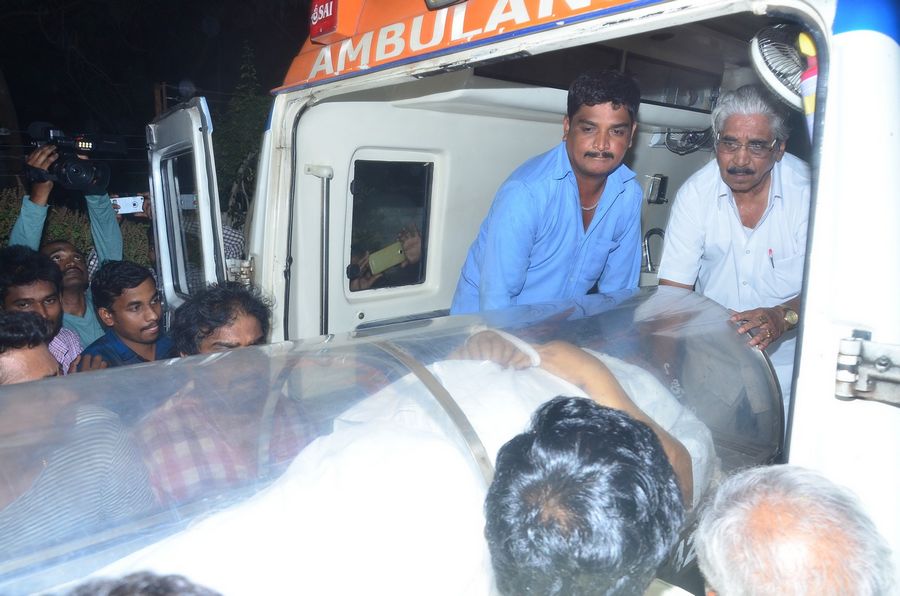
391	501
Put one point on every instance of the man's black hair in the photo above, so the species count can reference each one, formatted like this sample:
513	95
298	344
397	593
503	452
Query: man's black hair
604	86
142	583
584	502
23	266
23	330
113	278
213	307
63	241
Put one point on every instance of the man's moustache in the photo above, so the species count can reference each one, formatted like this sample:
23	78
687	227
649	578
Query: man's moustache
737	171
603	154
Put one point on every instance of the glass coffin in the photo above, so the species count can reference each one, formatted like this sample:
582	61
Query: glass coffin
352	464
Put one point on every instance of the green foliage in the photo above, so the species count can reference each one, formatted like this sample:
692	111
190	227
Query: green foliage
135	245
10	202
66	224
73	226
237	139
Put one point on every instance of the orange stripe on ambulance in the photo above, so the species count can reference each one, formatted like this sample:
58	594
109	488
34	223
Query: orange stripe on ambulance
429	31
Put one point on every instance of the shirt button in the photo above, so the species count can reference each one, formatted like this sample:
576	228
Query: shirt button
743	283
746	252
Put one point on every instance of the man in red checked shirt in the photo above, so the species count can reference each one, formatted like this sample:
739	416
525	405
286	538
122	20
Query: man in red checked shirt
207	436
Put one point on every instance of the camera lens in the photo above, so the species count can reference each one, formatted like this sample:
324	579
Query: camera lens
77	173
80	174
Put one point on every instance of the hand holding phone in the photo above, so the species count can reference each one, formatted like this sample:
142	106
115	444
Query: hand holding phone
387	257
126	205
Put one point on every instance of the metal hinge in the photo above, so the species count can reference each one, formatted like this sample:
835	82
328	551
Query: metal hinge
868	370
240	270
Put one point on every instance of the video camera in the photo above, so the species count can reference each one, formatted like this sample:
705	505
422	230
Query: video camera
70	170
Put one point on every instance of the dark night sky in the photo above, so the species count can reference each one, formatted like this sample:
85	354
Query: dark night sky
91	65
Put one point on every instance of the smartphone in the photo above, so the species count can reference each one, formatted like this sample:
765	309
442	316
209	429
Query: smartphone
386	258
133	204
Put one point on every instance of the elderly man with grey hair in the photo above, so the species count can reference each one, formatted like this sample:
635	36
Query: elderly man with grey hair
790	531
737	230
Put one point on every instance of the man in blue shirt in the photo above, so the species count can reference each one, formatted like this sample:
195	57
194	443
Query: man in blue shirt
566	220
128	305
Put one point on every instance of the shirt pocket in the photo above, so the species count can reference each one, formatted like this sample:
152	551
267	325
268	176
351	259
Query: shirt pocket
596	259
784	277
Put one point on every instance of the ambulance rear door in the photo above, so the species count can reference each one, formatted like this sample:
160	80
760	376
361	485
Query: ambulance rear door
187	220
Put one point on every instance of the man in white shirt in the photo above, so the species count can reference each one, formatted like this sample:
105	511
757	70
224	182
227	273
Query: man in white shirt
737	230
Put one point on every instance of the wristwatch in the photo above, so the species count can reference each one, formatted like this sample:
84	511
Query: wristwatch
791	318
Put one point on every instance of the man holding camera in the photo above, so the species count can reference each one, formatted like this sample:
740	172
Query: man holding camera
78	309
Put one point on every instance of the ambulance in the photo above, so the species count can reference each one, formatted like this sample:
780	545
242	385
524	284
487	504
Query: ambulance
406	113
399	120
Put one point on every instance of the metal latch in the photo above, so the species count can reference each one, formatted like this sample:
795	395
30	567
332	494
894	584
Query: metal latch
868	370
240	270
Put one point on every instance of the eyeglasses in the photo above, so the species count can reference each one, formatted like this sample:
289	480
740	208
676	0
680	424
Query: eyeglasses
756	148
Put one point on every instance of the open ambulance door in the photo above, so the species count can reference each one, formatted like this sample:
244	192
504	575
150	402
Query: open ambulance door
186	216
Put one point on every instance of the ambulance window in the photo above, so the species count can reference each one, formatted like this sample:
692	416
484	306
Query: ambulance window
389	233
183	227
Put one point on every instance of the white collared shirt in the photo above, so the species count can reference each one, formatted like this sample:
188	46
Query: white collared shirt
707	246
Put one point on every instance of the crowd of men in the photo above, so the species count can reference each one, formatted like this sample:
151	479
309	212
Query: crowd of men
565	223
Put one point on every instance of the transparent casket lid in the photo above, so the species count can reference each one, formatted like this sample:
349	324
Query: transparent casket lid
345	464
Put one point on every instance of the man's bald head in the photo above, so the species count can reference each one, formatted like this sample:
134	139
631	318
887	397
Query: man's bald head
788	530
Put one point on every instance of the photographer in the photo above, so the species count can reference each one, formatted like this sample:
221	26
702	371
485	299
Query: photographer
78	309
